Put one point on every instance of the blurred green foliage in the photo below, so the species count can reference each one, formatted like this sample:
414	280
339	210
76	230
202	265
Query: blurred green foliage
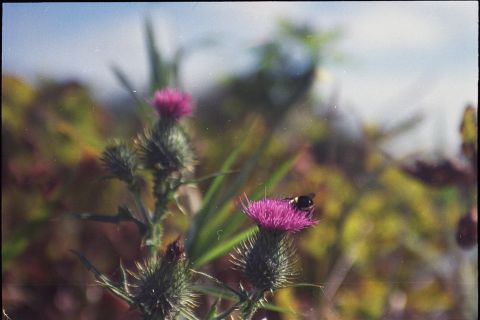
385	245
52	136
45	134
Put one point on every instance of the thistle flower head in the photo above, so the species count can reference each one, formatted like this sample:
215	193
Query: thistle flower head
165	147
120	160
267	259
163	288
171	103
278	214
175	251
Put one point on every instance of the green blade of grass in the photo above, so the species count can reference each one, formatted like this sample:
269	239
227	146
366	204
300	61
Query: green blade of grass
236	220
246	170
146	112
159	71
230	223
224	294
224	247
272	307
209	198
217	292
217	183
213	310
233	190
125	83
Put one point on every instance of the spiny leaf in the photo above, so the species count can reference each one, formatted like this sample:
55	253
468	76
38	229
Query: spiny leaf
123	214
103	280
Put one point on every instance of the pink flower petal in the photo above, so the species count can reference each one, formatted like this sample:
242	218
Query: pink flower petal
171	103
277	214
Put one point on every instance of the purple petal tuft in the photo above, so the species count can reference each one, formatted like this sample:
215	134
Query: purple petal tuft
171	103
278	214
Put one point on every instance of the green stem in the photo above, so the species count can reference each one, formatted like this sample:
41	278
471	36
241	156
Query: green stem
141	205
154	237
162	191
224	314
251	304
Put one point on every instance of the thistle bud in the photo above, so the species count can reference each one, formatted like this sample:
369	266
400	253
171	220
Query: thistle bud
120	161
267	259
175	251
166	147
467	230
164	289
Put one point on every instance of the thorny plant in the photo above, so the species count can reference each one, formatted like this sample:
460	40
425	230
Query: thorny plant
162	286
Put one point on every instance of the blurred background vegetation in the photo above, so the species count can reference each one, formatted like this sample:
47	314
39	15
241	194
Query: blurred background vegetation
396	238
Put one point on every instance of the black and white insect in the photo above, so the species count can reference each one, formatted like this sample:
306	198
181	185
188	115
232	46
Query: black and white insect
303	202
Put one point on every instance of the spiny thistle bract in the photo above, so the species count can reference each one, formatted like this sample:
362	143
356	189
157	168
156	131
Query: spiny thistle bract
163	287
267	259
120	161
165	147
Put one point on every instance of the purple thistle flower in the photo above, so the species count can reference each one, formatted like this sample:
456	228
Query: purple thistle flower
278	214
172	103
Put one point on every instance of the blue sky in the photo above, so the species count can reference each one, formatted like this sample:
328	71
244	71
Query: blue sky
401	57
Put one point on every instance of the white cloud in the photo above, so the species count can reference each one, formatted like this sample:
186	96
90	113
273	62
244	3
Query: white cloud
385	98
390	29
259	16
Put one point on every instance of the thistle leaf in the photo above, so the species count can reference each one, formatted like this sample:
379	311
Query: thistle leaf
123	214
103	280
